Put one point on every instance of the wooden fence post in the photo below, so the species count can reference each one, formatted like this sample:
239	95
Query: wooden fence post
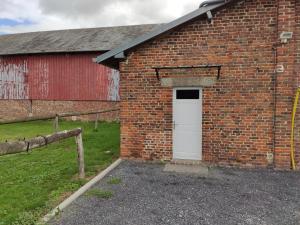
96	121
80	152
55	123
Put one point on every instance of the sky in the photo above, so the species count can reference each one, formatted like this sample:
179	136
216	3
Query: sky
17	16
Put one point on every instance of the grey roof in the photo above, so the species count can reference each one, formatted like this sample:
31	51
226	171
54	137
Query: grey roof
75	40
110	58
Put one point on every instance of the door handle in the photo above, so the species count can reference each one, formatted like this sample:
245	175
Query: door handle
174	125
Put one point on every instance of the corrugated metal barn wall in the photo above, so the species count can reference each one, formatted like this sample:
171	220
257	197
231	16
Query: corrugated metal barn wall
57	77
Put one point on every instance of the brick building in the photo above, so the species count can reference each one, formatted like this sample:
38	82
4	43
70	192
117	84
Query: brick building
215	85
53	72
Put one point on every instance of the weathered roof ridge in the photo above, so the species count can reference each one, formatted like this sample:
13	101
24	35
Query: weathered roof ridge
76	29
71	40
156	32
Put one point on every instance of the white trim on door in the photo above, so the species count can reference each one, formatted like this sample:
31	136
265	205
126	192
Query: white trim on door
187	123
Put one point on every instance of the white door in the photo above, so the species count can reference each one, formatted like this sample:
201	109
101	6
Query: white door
187	123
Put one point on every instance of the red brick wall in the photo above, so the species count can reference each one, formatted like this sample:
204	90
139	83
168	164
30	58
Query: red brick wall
286	83
13	109
237	111
297	83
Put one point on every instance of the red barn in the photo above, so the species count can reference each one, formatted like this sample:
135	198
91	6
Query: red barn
53	71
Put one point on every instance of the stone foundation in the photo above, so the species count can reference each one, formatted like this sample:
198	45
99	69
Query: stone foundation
13	109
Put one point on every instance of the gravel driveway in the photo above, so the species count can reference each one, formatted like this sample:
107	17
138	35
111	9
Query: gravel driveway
144	194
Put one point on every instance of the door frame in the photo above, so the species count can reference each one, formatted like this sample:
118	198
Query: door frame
201	115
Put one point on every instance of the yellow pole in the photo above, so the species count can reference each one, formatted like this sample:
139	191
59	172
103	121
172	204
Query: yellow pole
293	130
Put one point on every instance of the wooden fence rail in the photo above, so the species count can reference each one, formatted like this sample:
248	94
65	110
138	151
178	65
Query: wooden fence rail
55	116
40	141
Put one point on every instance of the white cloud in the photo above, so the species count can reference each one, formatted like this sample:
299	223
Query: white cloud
67	14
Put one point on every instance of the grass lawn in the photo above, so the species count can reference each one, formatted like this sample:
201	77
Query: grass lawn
33	183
